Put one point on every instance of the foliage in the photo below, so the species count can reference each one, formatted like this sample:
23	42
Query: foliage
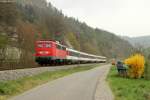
3	44
3	41
10	88
146	52
8	13
136	65
73	40
127	88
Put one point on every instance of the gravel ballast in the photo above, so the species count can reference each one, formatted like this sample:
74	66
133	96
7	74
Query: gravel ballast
20	73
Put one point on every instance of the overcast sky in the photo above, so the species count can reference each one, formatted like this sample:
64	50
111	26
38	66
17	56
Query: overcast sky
122	17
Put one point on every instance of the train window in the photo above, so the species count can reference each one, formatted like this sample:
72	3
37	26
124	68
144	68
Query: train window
84	56
40	45
63	48
81	55
73	54
59	47
48	45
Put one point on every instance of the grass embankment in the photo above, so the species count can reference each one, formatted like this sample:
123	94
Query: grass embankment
11	88
128	89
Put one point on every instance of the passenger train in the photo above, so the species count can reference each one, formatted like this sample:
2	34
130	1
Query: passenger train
52	52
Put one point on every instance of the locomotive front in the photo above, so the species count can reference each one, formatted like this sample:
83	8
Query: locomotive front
44	51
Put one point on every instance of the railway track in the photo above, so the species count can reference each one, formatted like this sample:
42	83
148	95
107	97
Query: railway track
14	66
19	73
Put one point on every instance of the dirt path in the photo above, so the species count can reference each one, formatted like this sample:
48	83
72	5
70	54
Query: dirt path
77	86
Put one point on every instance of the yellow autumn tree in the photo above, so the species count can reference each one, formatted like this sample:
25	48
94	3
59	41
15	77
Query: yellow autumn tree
136	65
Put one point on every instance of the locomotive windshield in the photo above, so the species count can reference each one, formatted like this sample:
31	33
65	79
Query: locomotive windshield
40	45
47	45
44	45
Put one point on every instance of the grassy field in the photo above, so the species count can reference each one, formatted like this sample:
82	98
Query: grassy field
11	88
128	89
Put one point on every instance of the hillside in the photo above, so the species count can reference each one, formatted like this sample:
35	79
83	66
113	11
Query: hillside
139	41
147	52
28	20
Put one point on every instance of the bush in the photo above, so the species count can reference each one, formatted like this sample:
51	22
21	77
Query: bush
136	65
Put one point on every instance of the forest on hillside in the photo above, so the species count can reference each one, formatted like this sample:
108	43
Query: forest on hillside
25	21
142	41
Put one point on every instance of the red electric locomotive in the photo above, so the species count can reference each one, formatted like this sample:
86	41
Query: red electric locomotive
48	51
52	52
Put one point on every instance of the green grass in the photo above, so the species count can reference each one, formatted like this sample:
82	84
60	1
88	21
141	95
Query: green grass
147	70
128	89
11	88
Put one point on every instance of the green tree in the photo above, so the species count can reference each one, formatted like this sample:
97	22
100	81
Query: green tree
73	41
8	13
44	35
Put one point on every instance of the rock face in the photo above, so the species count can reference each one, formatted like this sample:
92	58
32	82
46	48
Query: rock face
12	53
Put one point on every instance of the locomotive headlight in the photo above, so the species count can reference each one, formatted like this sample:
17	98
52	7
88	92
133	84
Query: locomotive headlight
43	52
40	52
46	52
